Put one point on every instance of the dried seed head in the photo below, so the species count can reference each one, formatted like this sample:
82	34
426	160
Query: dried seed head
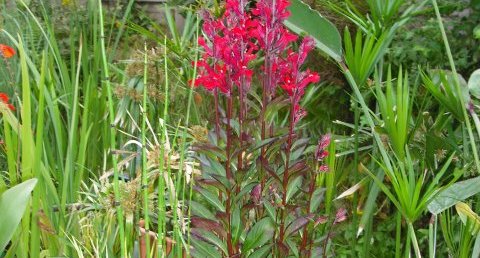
200	133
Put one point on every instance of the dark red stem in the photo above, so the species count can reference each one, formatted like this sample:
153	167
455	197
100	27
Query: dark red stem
231	250
311	189
286	173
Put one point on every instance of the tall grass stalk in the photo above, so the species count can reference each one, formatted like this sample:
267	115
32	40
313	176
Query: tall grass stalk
121	29
161	222
37	193
111	115
457	85
379	144
144	183
187	120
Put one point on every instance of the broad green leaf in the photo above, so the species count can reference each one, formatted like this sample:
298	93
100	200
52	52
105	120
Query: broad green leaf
261	252
297	224
211	238
293	247
236	224
258	235
12	206
293	186
270	210
246	189
317	198
454	194
304	19
211	198
474	84
204	250
200	210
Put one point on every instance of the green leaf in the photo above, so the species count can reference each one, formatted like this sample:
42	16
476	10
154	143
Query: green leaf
317	198
261	252
246	189
441	84
236	224
270	210
293	187
305	20
258	235
211	198
454	194
298	224
476	32
476	247
200	210
210	237
204	250
293	247
12	206
474	84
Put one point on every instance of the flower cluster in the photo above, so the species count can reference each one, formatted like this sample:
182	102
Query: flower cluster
293	80
270	32
273	38
5	100
233	41
6	51
229	50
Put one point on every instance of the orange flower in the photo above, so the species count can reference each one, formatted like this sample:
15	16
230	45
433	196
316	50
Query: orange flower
6	51
4	99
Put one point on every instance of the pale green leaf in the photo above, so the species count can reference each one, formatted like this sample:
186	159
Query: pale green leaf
12	206
304	19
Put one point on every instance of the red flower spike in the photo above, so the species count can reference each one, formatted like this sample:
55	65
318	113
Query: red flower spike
321	153
228	49
231	41
6	51
324	141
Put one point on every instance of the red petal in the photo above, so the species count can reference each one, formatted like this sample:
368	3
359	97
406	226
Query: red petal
3	97
6	51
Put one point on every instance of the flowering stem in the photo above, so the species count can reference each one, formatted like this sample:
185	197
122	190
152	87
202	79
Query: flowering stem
286	172
241	116
231	251
262	154
311	189
265	94
217	116
326	240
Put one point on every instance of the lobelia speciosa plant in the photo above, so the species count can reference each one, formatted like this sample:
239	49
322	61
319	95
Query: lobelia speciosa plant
259	177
